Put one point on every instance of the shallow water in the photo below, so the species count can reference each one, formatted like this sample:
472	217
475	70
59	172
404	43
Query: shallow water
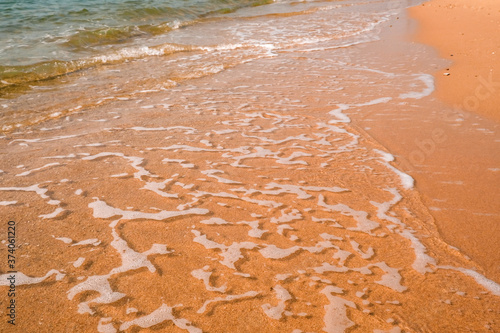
34	31
44	90
225	189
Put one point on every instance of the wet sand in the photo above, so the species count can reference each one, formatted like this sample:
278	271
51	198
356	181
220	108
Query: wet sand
270	196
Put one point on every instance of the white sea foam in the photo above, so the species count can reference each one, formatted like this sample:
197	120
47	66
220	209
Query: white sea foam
228	298
131	260
230	253
427	80
156	187
330	237
212	173
301	137
336	319
184	129
282	277
330	222
286	217
55	138
488	284
407	181
46	166
363	222
54	214
23	279
105	325
160	315
391	278
337	113
422	259
215	220
181	162
103	210
271	251
202	274
100	284
365	255
276	312
184	148
120	175
65	240
255	231
134	161
222	132
79	262
282	227
91	241
265	203
278	189
385	156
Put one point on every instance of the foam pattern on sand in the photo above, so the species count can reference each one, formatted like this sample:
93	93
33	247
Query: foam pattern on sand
251	202
330	235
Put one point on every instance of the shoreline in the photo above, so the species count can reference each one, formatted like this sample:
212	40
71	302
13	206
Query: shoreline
449	151
450	148
461	33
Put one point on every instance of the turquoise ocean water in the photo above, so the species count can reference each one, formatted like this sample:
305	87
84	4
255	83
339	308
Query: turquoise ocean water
42	39
61	57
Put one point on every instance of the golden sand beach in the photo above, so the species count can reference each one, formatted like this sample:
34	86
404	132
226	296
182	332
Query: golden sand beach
293	171
465	34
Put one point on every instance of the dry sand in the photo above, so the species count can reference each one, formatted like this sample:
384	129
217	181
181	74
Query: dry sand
465	32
